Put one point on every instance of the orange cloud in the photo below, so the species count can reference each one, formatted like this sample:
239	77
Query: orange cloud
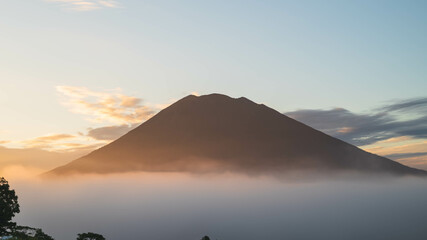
41	142
345	130
111	106
417	146
53	137
396	139
67	147
61	143
409	151
419	161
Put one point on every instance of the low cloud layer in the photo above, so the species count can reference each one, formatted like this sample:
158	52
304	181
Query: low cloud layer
225	207
384	123
86	5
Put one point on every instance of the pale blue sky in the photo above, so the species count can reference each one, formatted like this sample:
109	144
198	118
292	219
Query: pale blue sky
287	54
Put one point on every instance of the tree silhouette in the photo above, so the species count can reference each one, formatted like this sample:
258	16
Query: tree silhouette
205	238
90	236
8	205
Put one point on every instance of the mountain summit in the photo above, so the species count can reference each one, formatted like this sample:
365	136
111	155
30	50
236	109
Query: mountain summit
215	132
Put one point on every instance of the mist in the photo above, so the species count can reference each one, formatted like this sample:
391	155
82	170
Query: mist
161	206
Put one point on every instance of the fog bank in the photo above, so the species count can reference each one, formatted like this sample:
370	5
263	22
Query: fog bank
225	207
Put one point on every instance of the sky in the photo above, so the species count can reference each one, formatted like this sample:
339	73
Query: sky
75	74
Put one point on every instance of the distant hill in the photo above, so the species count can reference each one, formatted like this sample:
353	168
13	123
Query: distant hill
34	158
216	133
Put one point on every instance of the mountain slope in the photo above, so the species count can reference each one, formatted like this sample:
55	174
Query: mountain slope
218	133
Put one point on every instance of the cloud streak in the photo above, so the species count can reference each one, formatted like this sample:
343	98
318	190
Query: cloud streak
46	141
60	143
406	155
405	105
112	107
86	5
110	132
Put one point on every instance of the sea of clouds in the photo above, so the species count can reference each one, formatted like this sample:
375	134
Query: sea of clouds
160	206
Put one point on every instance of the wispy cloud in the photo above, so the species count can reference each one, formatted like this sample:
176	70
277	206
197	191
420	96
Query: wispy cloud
406	155
409	151
86	5
112	106
51	138
57	143
46	142
407	105
49	142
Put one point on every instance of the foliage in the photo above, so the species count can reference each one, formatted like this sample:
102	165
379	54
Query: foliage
8	205
90	236
40	235
21	233
205	238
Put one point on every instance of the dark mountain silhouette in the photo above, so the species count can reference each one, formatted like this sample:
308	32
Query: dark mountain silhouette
218	133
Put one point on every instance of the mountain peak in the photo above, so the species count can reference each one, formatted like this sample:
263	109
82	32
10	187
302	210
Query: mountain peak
212	97
218	99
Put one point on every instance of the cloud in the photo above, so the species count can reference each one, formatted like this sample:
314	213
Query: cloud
405	105
406	155
110	132
61	143
396	139
86	5
388	122
412	146
397	131
55	137
42	142
112	106
358	129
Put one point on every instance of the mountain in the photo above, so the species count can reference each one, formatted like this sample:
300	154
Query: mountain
214	133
